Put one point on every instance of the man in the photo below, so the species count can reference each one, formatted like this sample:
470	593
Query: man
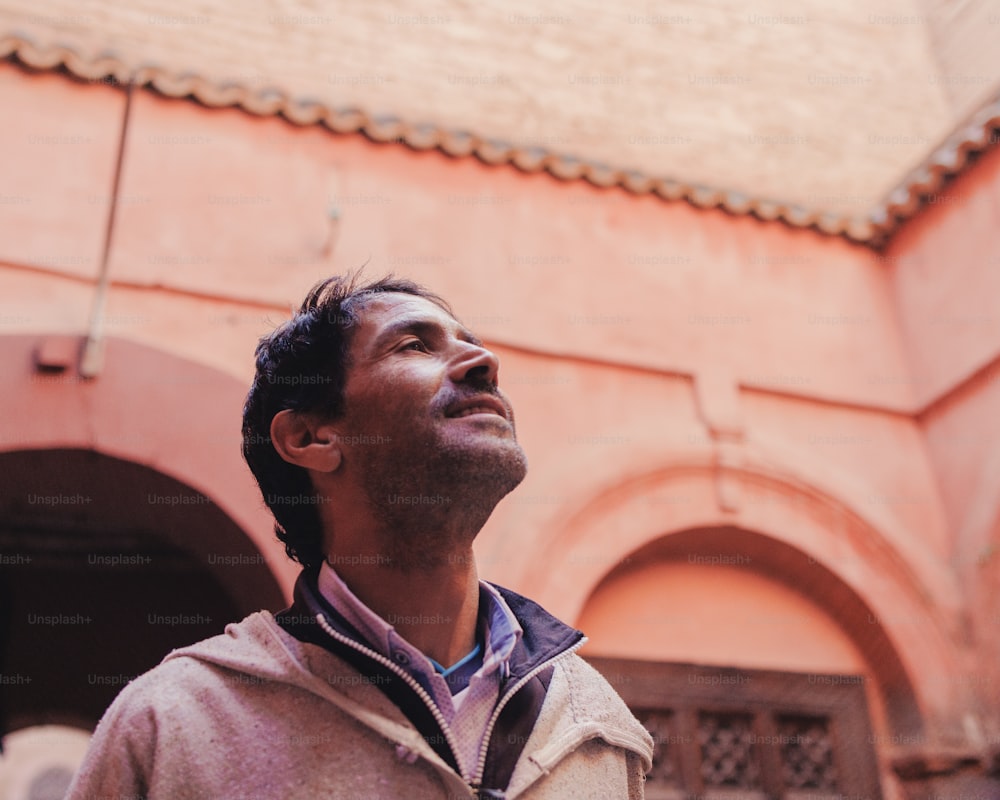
381	442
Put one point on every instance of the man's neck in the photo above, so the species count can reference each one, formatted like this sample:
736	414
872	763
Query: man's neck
435	609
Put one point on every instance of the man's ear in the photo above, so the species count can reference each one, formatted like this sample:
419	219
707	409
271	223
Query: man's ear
303	440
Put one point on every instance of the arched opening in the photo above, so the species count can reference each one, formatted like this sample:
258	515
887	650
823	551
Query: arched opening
895	606
766	605
108	565
755	667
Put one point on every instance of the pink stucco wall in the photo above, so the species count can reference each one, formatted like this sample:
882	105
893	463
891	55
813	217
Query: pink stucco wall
945	281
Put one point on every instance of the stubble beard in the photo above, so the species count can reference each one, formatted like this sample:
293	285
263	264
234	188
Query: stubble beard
428	516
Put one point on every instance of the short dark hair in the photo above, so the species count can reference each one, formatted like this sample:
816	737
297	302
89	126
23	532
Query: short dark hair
302	366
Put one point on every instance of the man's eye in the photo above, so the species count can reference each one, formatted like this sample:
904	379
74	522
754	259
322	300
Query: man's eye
415	344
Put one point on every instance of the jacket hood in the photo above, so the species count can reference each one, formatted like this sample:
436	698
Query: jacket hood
253	648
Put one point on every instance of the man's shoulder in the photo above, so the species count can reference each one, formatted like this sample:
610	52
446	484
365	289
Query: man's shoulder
596	704
586	682
240	656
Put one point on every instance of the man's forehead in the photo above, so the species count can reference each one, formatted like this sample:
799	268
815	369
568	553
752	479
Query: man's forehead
387	307
392	310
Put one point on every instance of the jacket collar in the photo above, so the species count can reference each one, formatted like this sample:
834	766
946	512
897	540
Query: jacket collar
544	635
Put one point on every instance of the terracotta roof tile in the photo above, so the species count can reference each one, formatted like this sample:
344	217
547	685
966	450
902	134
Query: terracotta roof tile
946	161
874	228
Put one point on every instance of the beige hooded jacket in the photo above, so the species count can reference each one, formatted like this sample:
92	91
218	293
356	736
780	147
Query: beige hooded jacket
255	713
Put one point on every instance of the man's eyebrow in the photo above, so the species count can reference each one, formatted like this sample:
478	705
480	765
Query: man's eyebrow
424	327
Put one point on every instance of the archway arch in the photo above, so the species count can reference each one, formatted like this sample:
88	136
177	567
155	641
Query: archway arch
771	592
149	408
143	460
783	522
108	566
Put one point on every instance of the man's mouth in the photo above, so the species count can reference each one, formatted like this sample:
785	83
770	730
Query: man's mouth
478	405
477	410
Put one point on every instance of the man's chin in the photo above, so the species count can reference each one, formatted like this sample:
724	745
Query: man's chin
514	471
496	468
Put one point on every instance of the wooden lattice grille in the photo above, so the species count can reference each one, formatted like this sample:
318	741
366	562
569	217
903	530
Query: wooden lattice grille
728	734
807	753
728	756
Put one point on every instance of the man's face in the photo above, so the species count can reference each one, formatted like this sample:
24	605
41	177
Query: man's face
424	421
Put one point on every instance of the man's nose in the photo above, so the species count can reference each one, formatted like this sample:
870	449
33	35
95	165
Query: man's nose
474	362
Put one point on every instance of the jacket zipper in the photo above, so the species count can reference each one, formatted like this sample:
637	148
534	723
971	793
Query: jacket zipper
484	749
429	701
409	679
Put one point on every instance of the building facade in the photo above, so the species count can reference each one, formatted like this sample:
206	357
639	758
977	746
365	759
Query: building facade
763	474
